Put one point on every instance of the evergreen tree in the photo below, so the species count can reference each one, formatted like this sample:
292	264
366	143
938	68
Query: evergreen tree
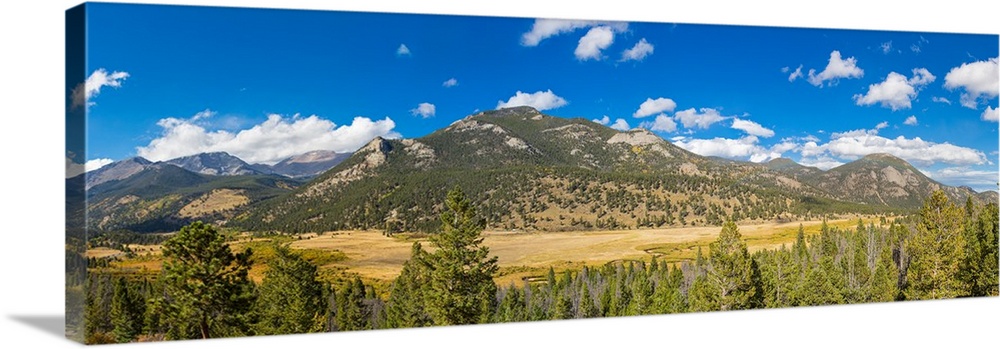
127	310
291	298
587	308
351	313
937	249
206	290
511	307
461	288
732	274
406	298
979	265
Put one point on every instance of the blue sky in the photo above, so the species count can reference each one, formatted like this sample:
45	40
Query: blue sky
263	85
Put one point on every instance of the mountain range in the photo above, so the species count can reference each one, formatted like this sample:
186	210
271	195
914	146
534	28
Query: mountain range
523	169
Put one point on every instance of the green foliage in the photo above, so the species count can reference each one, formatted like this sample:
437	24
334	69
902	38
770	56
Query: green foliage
291	299
978	271
206	291
352	314
127	310
732	277
460	289
937	246
405	307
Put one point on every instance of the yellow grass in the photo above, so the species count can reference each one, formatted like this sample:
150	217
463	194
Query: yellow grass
521	256
215	201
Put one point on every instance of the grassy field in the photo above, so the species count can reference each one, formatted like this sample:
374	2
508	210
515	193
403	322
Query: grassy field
522	256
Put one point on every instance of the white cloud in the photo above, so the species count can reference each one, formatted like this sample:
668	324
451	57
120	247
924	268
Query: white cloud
886	47
912	121
823	162
546	28
603	121
621	125
662	123
979	79
785	69
991	114
654	106
836	69
82	94
541	100
703	118
450	83
937	99
882	125
744	148
268	142
794	75
855	144
752	128
74	169
638	52
204	114
424	110
403	50
976	179
590	45
896	92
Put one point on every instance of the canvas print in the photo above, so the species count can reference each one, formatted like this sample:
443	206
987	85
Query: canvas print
247	172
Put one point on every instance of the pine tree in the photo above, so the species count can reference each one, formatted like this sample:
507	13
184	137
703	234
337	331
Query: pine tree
461	288
351	313
291	298
937	249
127	310
732	275
587	308
207	292
406	298
979	266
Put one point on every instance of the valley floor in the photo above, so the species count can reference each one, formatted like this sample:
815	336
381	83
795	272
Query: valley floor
524	255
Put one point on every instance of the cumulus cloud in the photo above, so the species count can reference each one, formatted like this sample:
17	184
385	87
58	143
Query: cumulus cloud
702	118
979	79
795	74
662	123
268	142
886	47
82	94
541	100
591	45
744	148
937	99
882	125
603	121
450	83
837	68
978	180
991	114
852	145
823	162
621	125
545	28
424	110
403	50
752	128
638	52
896	92
654	106
74	169
912	121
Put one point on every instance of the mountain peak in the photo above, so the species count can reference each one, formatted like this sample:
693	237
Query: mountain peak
214	163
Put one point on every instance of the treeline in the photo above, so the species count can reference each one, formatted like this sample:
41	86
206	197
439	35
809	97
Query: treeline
944	251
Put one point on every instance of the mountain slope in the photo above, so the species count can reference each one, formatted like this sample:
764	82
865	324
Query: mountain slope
527	170
216	164
882	179
164	197
306	165
116	171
